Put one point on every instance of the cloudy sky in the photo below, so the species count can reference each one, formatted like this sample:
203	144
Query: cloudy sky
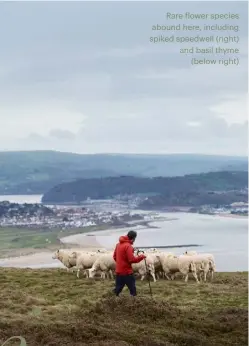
84	77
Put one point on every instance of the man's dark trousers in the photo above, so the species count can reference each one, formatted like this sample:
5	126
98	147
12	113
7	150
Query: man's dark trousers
129	281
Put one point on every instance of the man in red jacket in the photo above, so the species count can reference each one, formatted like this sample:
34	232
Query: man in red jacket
124	256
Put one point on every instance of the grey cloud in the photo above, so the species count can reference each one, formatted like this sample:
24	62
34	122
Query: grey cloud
94	61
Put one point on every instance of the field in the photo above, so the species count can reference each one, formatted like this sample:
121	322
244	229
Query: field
15	240
51	307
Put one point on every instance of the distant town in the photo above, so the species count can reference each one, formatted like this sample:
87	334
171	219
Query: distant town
114	212
68	217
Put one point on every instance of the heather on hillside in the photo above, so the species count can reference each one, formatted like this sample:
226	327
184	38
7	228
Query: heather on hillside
51	307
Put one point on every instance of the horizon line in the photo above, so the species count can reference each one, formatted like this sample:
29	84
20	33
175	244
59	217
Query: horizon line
124	153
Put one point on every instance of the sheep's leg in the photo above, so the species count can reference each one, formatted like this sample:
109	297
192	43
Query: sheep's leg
154	277
212	274
196	277
205	276
173	277
78	271
186	278
142	277
167	277
85	273
111	274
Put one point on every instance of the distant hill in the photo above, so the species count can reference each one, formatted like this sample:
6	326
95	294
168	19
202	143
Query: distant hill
176	190
35	172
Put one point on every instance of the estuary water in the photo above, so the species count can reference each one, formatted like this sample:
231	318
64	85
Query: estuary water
225	237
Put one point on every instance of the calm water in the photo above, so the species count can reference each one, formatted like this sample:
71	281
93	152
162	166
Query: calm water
21	198
226	238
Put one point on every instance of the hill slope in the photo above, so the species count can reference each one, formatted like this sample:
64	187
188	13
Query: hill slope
180	187
34	172
52	307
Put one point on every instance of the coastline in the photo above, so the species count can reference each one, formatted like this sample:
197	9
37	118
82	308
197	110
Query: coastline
85	241
90	243
94	239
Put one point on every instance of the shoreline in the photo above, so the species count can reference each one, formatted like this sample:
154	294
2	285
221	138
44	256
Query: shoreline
89	244
91	240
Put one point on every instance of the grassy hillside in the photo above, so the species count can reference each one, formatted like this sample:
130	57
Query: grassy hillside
52	307
34	172
15	240
178	190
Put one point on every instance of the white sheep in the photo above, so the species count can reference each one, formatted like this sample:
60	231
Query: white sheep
84	260
143	268
104	263
208	256
203	265
64	257
157	263
174	264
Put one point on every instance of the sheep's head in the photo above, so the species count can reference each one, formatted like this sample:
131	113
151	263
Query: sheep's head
92	272
212	266
56	254
150	268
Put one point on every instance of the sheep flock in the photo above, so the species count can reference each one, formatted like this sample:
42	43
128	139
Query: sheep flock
158	264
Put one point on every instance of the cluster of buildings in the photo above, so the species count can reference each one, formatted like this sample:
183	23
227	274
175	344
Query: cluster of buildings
237	208
63	217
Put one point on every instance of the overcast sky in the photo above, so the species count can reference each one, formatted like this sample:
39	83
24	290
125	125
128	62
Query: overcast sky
84	77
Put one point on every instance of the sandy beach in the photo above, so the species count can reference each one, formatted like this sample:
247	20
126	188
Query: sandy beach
43	257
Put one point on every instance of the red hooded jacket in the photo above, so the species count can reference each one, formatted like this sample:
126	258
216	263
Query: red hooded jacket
124	256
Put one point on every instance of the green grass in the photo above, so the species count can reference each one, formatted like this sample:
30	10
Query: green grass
14	238
51	307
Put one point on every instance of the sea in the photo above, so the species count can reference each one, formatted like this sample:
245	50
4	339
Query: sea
225	237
